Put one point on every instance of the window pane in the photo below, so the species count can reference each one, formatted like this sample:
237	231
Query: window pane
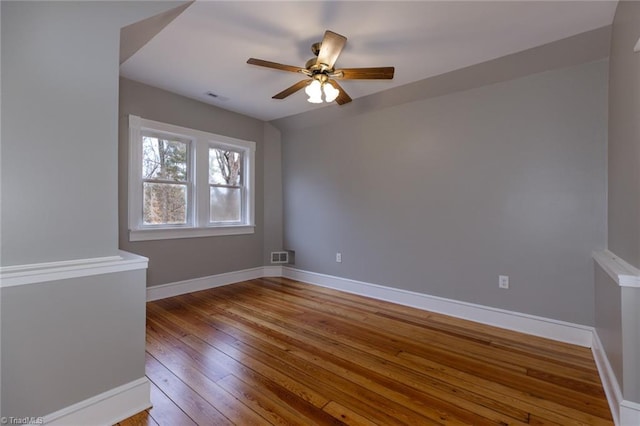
224	167
164	203
164	159
225	204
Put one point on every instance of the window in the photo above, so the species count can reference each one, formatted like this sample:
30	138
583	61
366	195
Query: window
225	189
187	183
165	180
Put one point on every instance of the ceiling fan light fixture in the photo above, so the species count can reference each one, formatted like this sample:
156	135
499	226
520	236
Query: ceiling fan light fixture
314	91
330	92
319	87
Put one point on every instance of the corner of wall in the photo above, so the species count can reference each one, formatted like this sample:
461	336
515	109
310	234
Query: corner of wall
616	342
273	209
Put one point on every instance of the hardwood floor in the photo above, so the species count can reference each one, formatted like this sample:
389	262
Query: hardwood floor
277	351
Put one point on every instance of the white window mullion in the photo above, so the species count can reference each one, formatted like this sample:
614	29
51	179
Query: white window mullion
192	185
249	185
202	184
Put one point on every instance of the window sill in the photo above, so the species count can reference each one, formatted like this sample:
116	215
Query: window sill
174	233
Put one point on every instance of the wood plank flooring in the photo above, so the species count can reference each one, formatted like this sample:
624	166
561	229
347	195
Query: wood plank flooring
281	352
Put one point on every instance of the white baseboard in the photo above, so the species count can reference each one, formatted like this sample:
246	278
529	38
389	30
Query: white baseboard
625	413
538	326
608	378
272	271
629	413
544	327
189	286
105	409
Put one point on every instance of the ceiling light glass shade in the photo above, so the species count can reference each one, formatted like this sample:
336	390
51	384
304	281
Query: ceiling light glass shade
330	92
314	90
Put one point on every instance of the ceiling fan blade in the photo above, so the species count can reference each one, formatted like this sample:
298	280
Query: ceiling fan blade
342	98
274	65
376	73
330	48
291	90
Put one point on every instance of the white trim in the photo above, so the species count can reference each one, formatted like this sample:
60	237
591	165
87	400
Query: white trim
624	274
51	271
197	223
625	413
107	408
272	271
538	326
608	378
629	413
172	233
135	159
188	133
188	286
637	49
54	265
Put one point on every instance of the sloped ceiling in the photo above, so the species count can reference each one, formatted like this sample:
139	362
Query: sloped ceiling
204	47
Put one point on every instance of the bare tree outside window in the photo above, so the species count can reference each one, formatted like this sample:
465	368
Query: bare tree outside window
225	185
165	181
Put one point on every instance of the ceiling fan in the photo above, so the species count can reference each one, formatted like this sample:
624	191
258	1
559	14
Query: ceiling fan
322	73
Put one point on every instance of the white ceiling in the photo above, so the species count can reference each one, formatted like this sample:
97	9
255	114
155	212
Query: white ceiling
206	47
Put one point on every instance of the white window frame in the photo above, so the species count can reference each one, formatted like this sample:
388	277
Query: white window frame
242	185
198	224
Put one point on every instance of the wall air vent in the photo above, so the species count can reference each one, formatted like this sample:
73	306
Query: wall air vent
279	257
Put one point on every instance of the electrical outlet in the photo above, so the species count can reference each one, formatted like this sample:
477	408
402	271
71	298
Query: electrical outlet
503	281
339	257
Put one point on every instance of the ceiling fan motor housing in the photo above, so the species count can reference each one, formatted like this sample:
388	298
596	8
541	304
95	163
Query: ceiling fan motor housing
316	68
315	48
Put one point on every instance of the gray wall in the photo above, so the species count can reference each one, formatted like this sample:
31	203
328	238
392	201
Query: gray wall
608	320
617	309
59	127
273	219
631	343
442	195
624	135
182	259
617	320
65	341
